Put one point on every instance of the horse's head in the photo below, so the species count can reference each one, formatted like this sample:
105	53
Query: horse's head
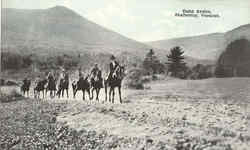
120	72
28	82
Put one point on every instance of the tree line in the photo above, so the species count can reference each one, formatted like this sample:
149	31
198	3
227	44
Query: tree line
174	65
234	61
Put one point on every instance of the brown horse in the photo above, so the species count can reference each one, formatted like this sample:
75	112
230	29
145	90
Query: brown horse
96	85
40	87
113	82
51	86
25	87
82	84
63	85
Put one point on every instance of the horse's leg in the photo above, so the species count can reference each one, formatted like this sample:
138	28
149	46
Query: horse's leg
67	91
110	92
83	94
58	93
88	90
113	98
97	94
62	92
106	90
74	93
50	93
120	95
92	93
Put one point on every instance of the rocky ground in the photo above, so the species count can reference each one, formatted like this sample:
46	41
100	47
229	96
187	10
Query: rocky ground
172	114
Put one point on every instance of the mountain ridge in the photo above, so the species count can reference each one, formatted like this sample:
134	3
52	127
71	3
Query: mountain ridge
58	25
205	46
61	30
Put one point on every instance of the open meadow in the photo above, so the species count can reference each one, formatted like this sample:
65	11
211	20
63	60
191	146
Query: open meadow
171	114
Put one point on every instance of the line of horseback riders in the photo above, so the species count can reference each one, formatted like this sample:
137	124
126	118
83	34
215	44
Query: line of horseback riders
89	83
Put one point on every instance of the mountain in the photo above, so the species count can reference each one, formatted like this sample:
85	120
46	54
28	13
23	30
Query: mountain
60	29
208	47
238	33
235	60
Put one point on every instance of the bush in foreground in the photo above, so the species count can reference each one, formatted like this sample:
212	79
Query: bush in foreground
134	79
10	96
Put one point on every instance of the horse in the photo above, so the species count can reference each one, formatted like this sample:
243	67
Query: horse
51	86
63	85
40	87
83	85
25	87
96	84
113	82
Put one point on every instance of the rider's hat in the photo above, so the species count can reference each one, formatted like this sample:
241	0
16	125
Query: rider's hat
112	57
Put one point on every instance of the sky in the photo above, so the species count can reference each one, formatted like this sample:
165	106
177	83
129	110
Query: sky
151	20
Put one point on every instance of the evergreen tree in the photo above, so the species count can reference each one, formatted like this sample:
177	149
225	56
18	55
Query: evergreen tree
151	63
175	61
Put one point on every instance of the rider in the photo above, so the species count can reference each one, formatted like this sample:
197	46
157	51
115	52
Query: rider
112	66
94	73
66	75
80	72
37	80
50	76
25	80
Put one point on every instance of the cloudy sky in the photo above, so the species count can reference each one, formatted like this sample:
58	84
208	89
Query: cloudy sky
150	20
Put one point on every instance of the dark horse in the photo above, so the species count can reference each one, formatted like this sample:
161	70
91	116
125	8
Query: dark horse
63	85
25	86
40	87
83	85
96	84
51	86
114	81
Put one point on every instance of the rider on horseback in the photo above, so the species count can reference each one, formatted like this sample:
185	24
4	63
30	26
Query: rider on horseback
50	76
112	66
37	79
95	73
25	81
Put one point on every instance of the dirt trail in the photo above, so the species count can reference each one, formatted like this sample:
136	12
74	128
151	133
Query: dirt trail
171	109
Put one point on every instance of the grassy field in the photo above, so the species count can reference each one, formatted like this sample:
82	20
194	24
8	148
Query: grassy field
172	114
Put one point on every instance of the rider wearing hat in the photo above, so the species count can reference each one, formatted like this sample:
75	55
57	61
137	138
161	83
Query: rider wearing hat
94	72
80	72
50	75
112	67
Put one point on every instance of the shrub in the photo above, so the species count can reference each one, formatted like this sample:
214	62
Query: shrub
10	96
134	79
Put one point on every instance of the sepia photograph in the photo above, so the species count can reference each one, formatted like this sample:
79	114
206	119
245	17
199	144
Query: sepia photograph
125	75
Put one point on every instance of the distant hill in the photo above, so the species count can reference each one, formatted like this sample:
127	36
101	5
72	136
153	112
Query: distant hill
208	47
235	60
60	29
